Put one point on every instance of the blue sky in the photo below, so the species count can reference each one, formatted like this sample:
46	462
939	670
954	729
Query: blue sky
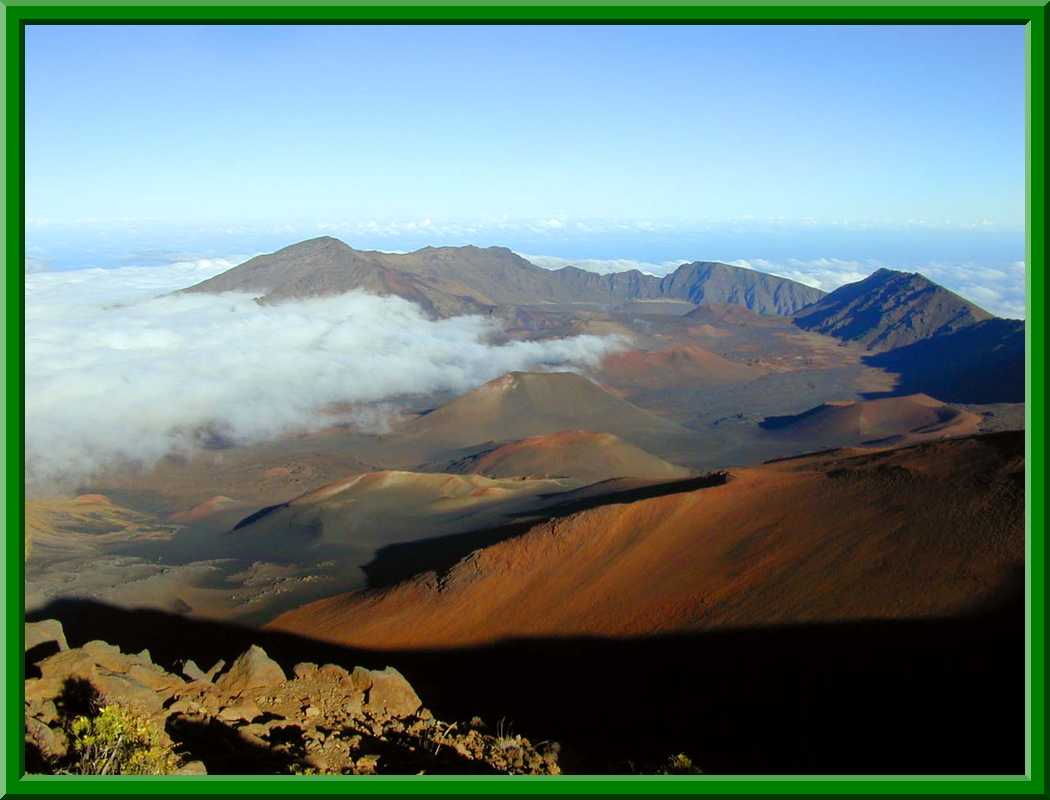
898	144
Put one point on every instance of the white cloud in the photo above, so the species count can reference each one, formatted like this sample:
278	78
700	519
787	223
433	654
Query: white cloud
115	372
606	266
820	273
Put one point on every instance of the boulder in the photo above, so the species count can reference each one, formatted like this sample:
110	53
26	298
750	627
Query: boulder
97	646
123	690
391	694
252	670
44	710
192	768
155	678
47	630
361	679
51	743
192	671
243	711
334	673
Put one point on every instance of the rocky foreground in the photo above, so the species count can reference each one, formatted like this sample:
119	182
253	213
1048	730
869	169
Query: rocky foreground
250	717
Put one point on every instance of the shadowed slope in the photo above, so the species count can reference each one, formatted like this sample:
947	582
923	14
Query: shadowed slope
892	697
983	363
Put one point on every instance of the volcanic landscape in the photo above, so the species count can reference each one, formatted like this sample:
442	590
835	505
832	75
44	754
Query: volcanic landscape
774	529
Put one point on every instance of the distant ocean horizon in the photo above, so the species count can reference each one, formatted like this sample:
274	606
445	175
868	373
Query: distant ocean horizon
78	246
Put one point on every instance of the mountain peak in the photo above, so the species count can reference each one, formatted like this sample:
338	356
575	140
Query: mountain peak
890	309
317	243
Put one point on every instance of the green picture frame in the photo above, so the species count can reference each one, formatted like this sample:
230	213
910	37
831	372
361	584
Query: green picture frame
16	14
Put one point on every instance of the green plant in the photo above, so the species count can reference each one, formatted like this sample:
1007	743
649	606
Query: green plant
119	742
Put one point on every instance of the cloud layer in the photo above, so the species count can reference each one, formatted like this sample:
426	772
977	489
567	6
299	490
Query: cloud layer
117	373
606	266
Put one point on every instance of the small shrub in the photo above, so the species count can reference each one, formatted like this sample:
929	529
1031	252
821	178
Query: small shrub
680	764
119	742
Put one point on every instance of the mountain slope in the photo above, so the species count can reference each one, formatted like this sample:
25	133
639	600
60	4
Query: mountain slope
925	531
706	282
452	280
890	309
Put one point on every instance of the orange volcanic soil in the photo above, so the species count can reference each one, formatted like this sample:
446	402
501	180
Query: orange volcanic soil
677	365
924	531
912	418
583	455
209	507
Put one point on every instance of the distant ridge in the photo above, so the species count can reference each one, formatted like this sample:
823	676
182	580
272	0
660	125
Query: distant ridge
453	280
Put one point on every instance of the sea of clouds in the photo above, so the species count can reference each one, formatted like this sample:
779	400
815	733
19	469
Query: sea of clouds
999	289
118	370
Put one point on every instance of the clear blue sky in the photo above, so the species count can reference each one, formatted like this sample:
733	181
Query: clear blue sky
270	125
